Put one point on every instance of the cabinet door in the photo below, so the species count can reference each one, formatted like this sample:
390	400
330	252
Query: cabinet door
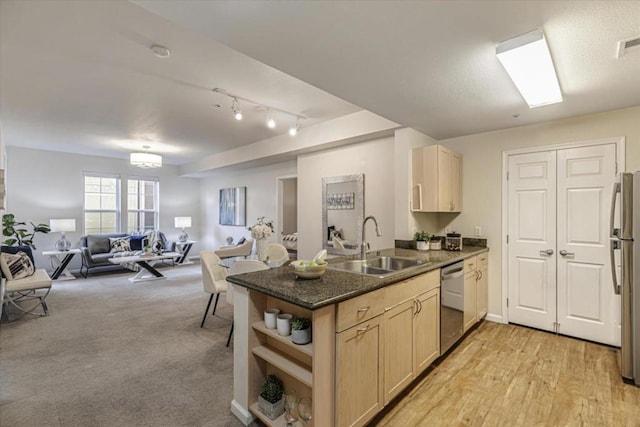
483	286
470	300
427	330
455	182
398	354
359	373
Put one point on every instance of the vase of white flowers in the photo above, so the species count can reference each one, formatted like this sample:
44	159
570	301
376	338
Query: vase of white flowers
260	231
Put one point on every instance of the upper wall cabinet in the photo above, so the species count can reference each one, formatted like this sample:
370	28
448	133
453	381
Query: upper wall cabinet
437	180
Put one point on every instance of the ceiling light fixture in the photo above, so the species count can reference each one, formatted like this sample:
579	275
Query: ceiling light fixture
528	62
145	160
160	51
271	123
293	130
236	110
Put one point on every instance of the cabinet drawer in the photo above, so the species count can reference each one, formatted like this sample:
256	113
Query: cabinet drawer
483	260
470	264
358	309
403	291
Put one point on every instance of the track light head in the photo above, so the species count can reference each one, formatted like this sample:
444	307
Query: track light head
270	122
236	110
293	130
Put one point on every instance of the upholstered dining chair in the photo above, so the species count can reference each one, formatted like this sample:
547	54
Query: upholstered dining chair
213	275
277	252
239	267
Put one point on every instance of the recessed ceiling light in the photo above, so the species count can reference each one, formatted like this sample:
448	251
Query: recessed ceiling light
160	51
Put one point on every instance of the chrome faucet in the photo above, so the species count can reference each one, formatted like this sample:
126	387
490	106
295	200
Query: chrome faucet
364	245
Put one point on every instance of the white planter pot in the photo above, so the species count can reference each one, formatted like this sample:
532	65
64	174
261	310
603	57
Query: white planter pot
422	245
301	336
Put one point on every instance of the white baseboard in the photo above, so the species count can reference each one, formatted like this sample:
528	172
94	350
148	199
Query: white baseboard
494	318
241	413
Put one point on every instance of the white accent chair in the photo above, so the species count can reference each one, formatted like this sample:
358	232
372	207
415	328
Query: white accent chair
243	249
277	253
239	267
213	279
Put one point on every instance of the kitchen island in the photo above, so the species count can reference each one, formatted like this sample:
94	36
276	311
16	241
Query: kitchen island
365	329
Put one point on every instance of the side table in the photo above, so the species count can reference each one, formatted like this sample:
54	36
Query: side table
60	261
183	249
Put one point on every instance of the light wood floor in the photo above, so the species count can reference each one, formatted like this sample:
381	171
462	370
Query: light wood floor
504	375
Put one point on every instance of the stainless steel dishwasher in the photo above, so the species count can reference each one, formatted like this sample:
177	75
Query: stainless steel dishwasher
451	305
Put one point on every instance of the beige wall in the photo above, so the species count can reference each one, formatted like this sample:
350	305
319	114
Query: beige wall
482	173
374	160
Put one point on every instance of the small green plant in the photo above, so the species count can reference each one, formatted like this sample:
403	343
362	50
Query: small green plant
19	235
421	236
300	323
272	389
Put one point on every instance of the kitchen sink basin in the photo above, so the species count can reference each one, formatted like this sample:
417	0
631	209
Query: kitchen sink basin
379	266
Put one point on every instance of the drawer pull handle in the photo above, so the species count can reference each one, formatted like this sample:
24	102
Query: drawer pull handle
362	330
363	310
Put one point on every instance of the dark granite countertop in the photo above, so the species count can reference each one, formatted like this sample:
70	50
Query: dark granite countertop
336	286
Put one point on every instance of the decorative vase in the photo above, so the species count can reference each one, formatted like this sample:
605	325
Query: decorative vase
301	336
261	249
271	410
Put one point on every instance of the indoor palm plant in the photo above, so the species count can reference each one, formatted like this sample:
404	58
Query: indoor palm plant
16	233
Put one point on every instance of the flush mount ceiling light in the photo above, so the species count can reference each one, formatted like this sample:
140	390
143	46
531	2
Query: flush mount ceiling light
145	160
527	60
160	51
270	122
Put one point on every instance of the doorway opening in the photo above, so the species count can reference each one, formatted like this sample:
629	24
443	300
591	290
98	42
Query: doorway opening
287	224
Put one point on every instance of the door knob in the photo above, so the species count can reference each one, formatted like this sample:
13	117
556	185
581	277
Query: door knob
547	252
565	253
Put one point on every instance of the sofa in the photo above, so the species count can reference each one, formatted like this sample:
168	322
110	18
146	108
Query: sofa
96	249
243	248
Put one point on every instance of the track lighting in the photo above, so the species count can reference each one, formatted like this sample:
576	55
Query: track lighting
270	122
236	110
293	130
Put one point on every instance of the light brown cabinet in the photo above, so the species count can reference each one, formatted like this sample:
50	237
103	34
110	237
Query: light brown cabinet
437	180
483	285
359	354
470	314
412	330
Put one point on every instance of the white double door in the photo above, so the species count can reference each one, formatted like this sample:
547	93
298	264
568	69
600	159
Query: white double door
558	272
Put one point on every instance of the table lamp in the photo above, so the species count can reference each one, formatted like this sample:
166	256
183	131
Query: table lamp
62	226
183	222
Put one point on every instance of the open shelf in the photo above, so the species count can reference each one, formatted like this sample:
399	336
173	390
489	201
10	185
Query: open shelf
273	333
285	364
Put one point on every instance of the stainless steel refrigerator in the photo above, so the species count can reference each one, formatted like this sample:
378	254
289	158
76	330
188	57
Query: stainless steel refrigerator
625	268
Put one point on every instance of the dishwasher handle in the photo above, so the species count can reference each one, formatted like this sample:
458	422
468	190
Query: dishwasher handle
455	273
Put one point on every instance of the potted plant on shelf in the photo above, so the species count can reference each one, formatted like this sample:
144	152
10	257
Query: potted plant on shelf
270	400
422	240
300	330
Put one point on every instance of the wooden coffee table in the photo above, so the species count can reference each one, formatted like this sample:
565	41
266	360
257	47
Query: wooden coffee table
147	272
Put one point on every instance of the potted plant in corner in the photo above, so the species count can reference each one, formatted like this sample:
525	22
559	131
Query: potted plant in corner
300	330
422	240
270	400
17	234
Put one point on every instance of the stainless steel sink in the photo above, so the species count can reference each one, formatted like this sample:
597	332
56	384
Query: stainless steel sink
380	266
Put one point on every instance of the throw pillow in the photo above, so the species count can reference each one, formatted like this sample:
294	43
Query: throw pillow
241	241
16	266
119	244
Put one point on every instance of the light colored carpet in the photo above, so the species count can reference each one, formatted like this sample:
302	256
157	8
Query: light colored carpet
115	353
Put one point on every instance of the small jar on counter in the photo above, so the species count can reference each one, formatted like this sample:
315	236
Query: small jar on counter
453	242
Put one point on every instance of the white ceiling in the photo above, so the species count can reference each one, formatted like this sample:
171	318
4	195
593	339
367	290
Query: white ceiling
78	76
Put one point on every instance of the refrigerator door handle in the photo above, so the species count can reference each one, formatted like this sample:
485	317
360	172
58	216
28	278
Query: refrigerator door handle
612	212
614	276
